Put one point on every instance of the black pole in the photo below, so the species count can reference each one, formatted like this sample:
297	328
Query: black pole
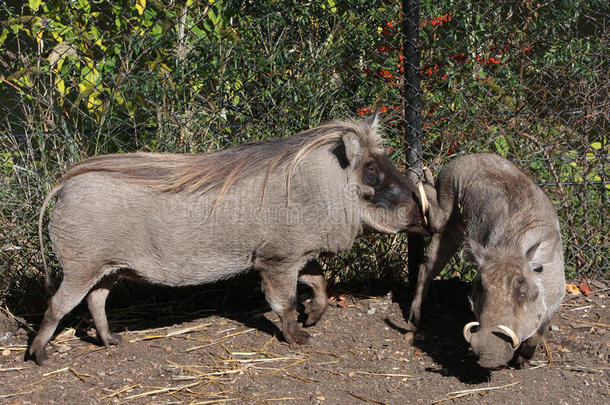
412	118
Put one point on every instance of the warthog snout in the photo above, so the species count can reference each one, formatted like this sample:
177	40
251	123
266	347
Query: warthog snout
396	203
494	346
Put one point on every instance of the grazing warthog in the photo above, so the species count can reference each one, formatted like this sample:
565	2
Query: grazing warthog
512	233
184	220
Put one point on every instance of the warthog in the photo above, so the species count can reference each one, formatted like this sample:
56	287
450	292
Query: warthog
512	234
182	220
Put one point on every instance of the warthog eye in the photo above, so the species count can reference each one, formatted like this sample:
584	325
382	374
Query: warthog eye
538	269
371	174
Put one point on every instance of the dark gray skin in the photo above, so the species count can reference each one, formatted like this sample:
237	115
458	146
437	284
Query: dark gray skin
315	305
182	220
511	232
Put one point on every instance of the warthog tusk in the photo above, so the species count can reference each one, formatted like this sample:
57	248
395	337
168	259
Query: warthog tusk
513	336
466	330
423	199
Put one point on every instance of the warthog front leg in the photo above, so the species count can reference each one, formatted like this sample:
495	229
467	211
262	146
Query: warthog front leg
442	247
314	306
279	281
528	348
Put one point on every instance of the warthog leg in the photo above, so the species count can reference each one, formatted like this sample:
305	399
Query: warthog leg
72	290
528	347
279	281
436	259
313	307
96	301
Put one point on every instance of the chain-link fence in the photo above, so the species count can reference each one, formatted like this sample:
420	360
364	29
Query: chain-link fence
527	80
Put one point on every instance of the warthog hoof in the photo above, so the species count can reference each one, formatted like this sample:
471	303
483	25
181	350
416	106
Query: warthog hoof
522	362
313	311
409	337
294	334
40	355
110	339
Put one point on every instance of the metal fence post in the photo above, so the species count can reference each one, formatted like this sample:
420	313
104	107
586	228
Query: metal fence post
412	118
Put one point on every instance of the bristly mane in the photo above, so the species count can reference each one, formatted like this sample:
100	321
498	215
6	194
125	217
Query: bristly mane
518	215
198	173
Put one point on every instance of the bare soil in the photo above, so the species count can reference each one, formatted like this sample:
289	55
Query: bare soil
220	345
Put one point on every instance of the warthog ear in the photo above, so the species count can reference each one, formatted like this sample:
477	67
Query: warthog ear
477	252
373	121
529	255
353	149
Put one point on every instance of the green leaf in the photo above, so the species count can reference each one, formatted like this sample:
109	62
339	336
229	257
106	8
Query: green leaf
84	6
140	6
34	5
16	27
198	31
93	101
501	146
3	35
157	30
536	165
61	86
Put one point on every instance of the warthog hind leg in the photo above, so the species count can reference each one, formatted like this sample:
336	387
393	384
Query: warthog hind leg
315	306
72	290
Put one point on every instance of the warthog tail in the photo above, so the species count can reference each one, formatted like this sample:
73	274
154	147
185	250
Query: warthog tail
48	283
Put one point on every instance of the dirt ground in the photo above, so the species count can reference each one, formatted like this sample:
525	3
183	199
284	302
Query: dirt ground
219	345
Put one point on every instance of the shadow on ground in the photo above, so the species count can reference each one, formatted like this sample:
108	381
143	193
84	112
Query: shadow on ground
444	313
132	306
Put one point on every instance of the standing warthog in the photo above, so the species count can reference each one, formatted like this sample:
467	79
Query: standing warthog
512	233
189	219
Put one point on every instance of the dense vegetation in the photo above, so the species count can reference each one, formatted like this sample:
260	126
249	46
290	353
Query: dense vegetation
82	77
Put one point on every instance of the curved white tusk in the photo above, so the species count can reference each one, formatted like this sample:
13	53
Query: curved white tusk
513	336
423	199
466	330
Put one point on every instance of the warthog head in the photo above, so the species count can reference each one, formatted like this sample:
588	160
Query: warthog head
393	203
507	299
